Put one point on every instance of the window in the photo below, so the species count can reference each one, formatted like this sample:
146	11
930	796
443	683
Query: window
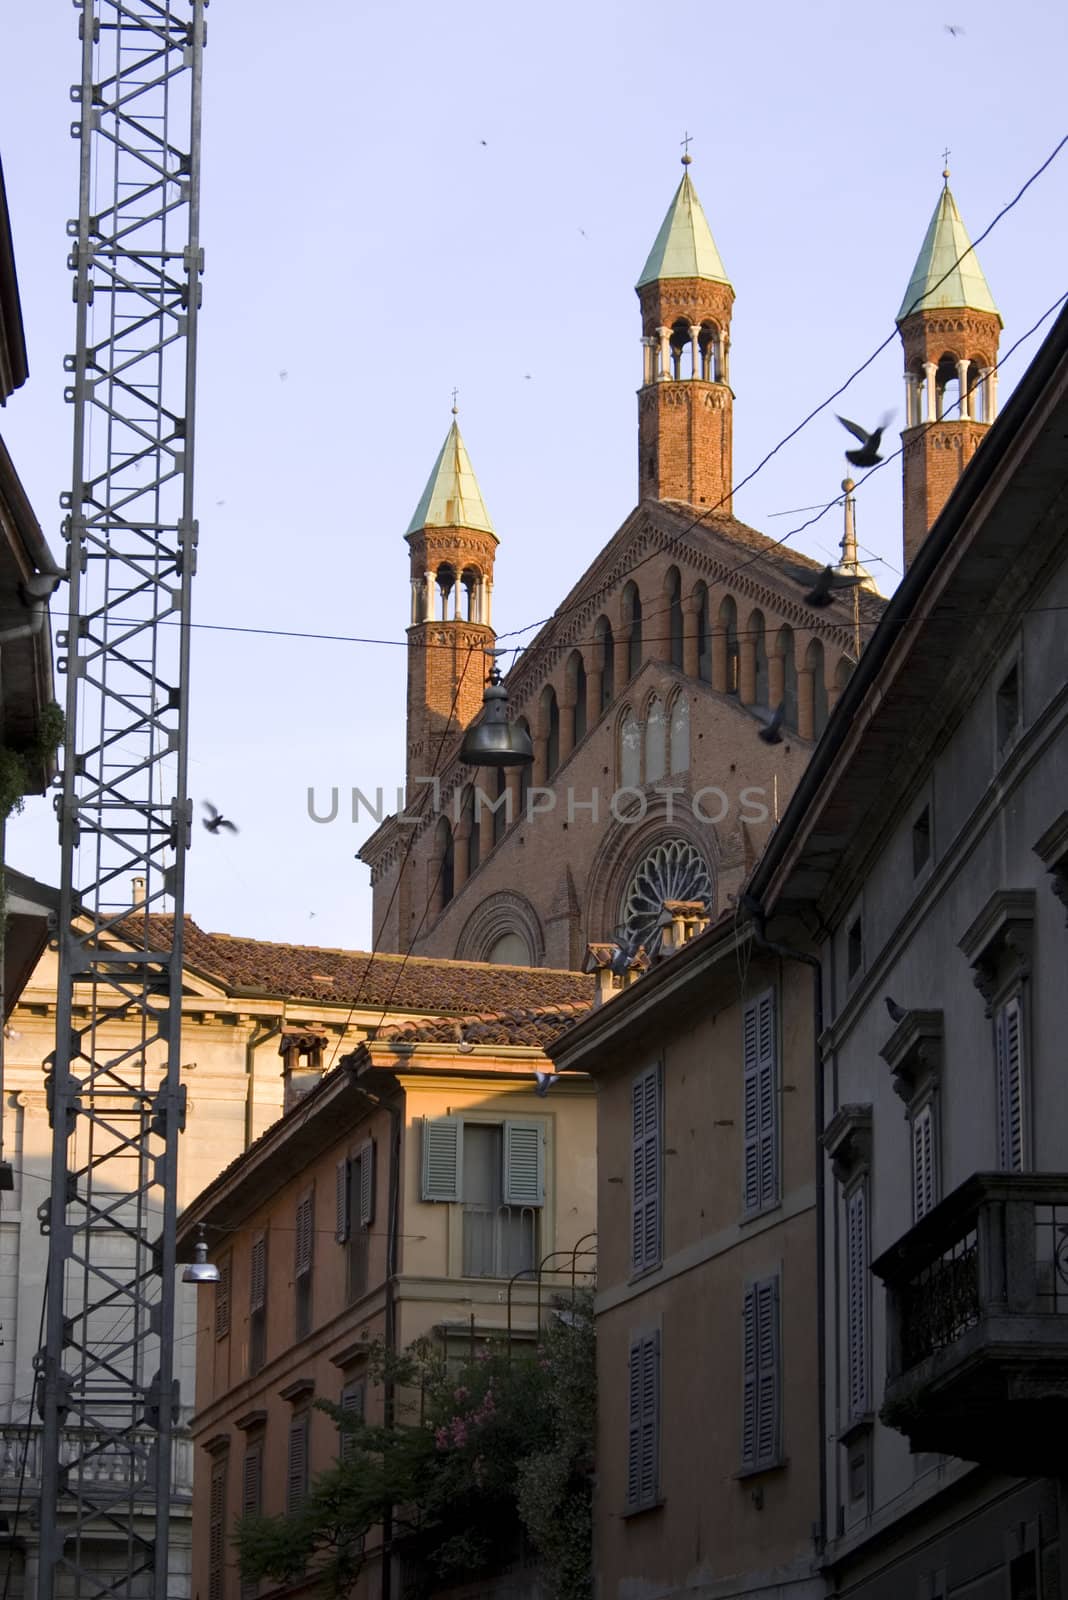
646	1170
1007	705
761	1384
496	1171
252	1497
353	1404
217	1530
297	1462
761	1104
630	751
924	1161
655	740
1008	1038
354	1212
856	1206
302	1265
857	1474
680	734
854	949
921	841
257	1304
222	1297
643	1432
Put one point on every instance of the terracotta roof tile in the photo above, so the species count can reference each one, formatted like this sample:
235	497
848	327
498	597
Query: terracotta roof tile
536	1026
348	977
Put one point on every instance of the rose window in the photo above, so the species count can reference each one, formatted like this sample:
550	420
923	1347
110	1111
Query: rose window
674	870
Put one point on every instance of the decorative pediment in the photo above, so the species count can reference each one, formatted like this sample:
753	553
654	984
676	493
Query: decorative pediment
999	942
913	1053
847	1140
1052	851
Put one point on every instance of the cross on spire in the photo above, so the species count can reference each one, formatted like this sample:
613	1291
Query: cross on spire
455	392
686	142
946	153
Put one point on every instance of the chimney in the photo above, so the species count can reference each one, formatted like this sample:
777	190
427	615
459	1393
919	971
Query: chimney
139	891
681	921
598	960
302	1064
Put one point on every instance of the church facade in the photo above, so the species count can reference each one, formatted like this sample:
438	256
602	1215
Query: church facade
645	693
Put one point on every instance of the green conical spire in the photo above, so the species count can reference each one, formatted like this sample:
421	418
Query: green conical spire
684	247
452	497
947	274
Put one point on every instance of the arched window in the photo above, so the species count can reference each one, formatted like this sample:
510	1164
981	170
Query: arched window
576	683
551	716
608	658
443	851
446	584
727	622
673	589
471	580
630	751
843	672
785	647
755	629
632	615
680	734
510	950
471	815
704	643
947	388
680	341
655	740
814	661
708	349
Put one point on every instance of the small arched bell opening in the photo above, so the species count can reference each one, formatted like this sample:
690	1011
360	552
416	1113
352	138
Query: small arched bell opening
708	351
947	388
471	596
727	623
673	594
632	617
679	344
445	583
655	740
704	641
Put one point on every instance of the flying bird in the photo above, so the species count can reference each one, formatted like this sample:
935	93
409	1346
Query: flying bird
771	732
283	374
868	455
822	591
482	141
626	943
897	1013
544	1083
954	28
216	820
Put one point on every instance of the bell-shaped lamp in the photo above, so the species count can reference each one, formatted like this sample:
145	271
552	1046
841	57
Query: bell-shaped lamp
200	1269
493	741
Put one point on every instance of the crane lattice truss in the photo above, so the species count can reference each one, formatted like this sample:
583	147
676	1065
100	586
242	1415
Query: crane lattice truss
106	1387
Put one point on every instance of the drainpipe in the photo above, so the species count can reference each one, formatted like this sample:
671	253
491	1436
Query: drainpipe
757	914
36	593
251	1046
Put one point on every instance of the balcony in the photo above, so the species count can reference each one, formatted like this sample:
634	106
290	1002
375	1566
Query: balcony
103	1462
977	1323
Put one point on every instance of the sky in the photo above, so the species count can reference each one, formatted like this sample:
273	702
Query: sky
400	200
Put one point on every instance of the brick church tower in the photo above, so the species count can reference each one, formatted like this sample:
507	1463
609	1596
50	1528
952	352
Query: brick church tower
452	544
949	327
684	404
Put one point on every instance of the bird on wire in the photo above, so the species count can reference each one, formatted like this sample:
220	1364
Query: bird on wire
868	455
216	820
822	591
897	1013
771	732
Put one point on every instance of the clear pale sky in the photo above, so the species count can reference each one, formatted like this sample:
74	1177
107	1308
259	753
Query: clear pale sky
363	240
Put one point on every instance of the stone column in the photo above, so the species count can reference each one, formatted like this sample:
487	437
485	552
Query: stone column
487	594
664	336
929	371
992	394
695	350
723	371
429	601
965	410
457	590
912	400
806	702
747	673
648	360
416	590
567	723
719	660
691	610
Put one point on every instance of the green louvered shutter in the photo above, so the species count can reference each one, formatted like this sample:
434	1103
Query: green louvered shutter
524	1172
442	1158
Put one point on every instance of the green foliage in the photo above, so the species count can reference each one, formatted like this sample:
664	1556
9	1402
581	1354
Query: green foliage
17	764
481	1455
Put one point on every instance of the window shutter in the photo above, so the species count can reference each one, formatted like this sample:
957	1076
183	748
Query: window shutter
257	1299
767	1321
749	1380
341	1201
523	1183
442	1157
634	1423
857	1300
367	1183
1008	1031
252	1481
353	1400
643	1442
761	1103
646	1169
222	1298
305	1235
297	1464
924	1181
216	1531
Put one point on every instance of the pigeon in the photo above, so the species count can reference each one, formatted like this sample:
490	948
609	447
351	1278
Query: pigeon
868	455
283	374
771	733
821	592
462	1043
626	948
217	820
954	28
482	141
897	1013
544	1083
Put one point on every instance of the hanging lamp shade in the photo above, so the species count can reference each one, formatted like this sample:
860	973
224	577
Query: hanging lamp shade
200	1269
493	741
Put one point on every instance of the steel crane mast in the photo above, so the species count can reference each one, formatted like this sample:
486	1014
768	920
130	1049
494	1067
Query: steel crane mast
105	1377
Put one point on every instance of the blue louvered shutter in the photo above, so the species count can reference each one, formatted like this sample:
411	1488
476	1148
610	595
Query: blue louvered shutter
646	1169
442	1158
1008	1033
924	1173
643	1419
523	1179
341	1201
749	1379
857	1299
767	1421
760	1090
366	1159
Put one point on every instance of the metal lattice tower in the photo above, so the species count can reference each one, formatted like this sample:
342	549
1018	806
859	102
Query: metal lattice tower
105	1382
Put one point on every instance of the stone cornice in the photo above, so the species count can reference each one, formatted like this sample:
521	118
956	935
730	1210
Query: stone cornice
913	1053
1001	938
1052	851
847	1139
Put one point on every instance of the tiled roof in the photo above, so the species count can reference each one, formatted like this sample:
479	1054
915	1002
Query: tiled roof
519	1025
348	977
